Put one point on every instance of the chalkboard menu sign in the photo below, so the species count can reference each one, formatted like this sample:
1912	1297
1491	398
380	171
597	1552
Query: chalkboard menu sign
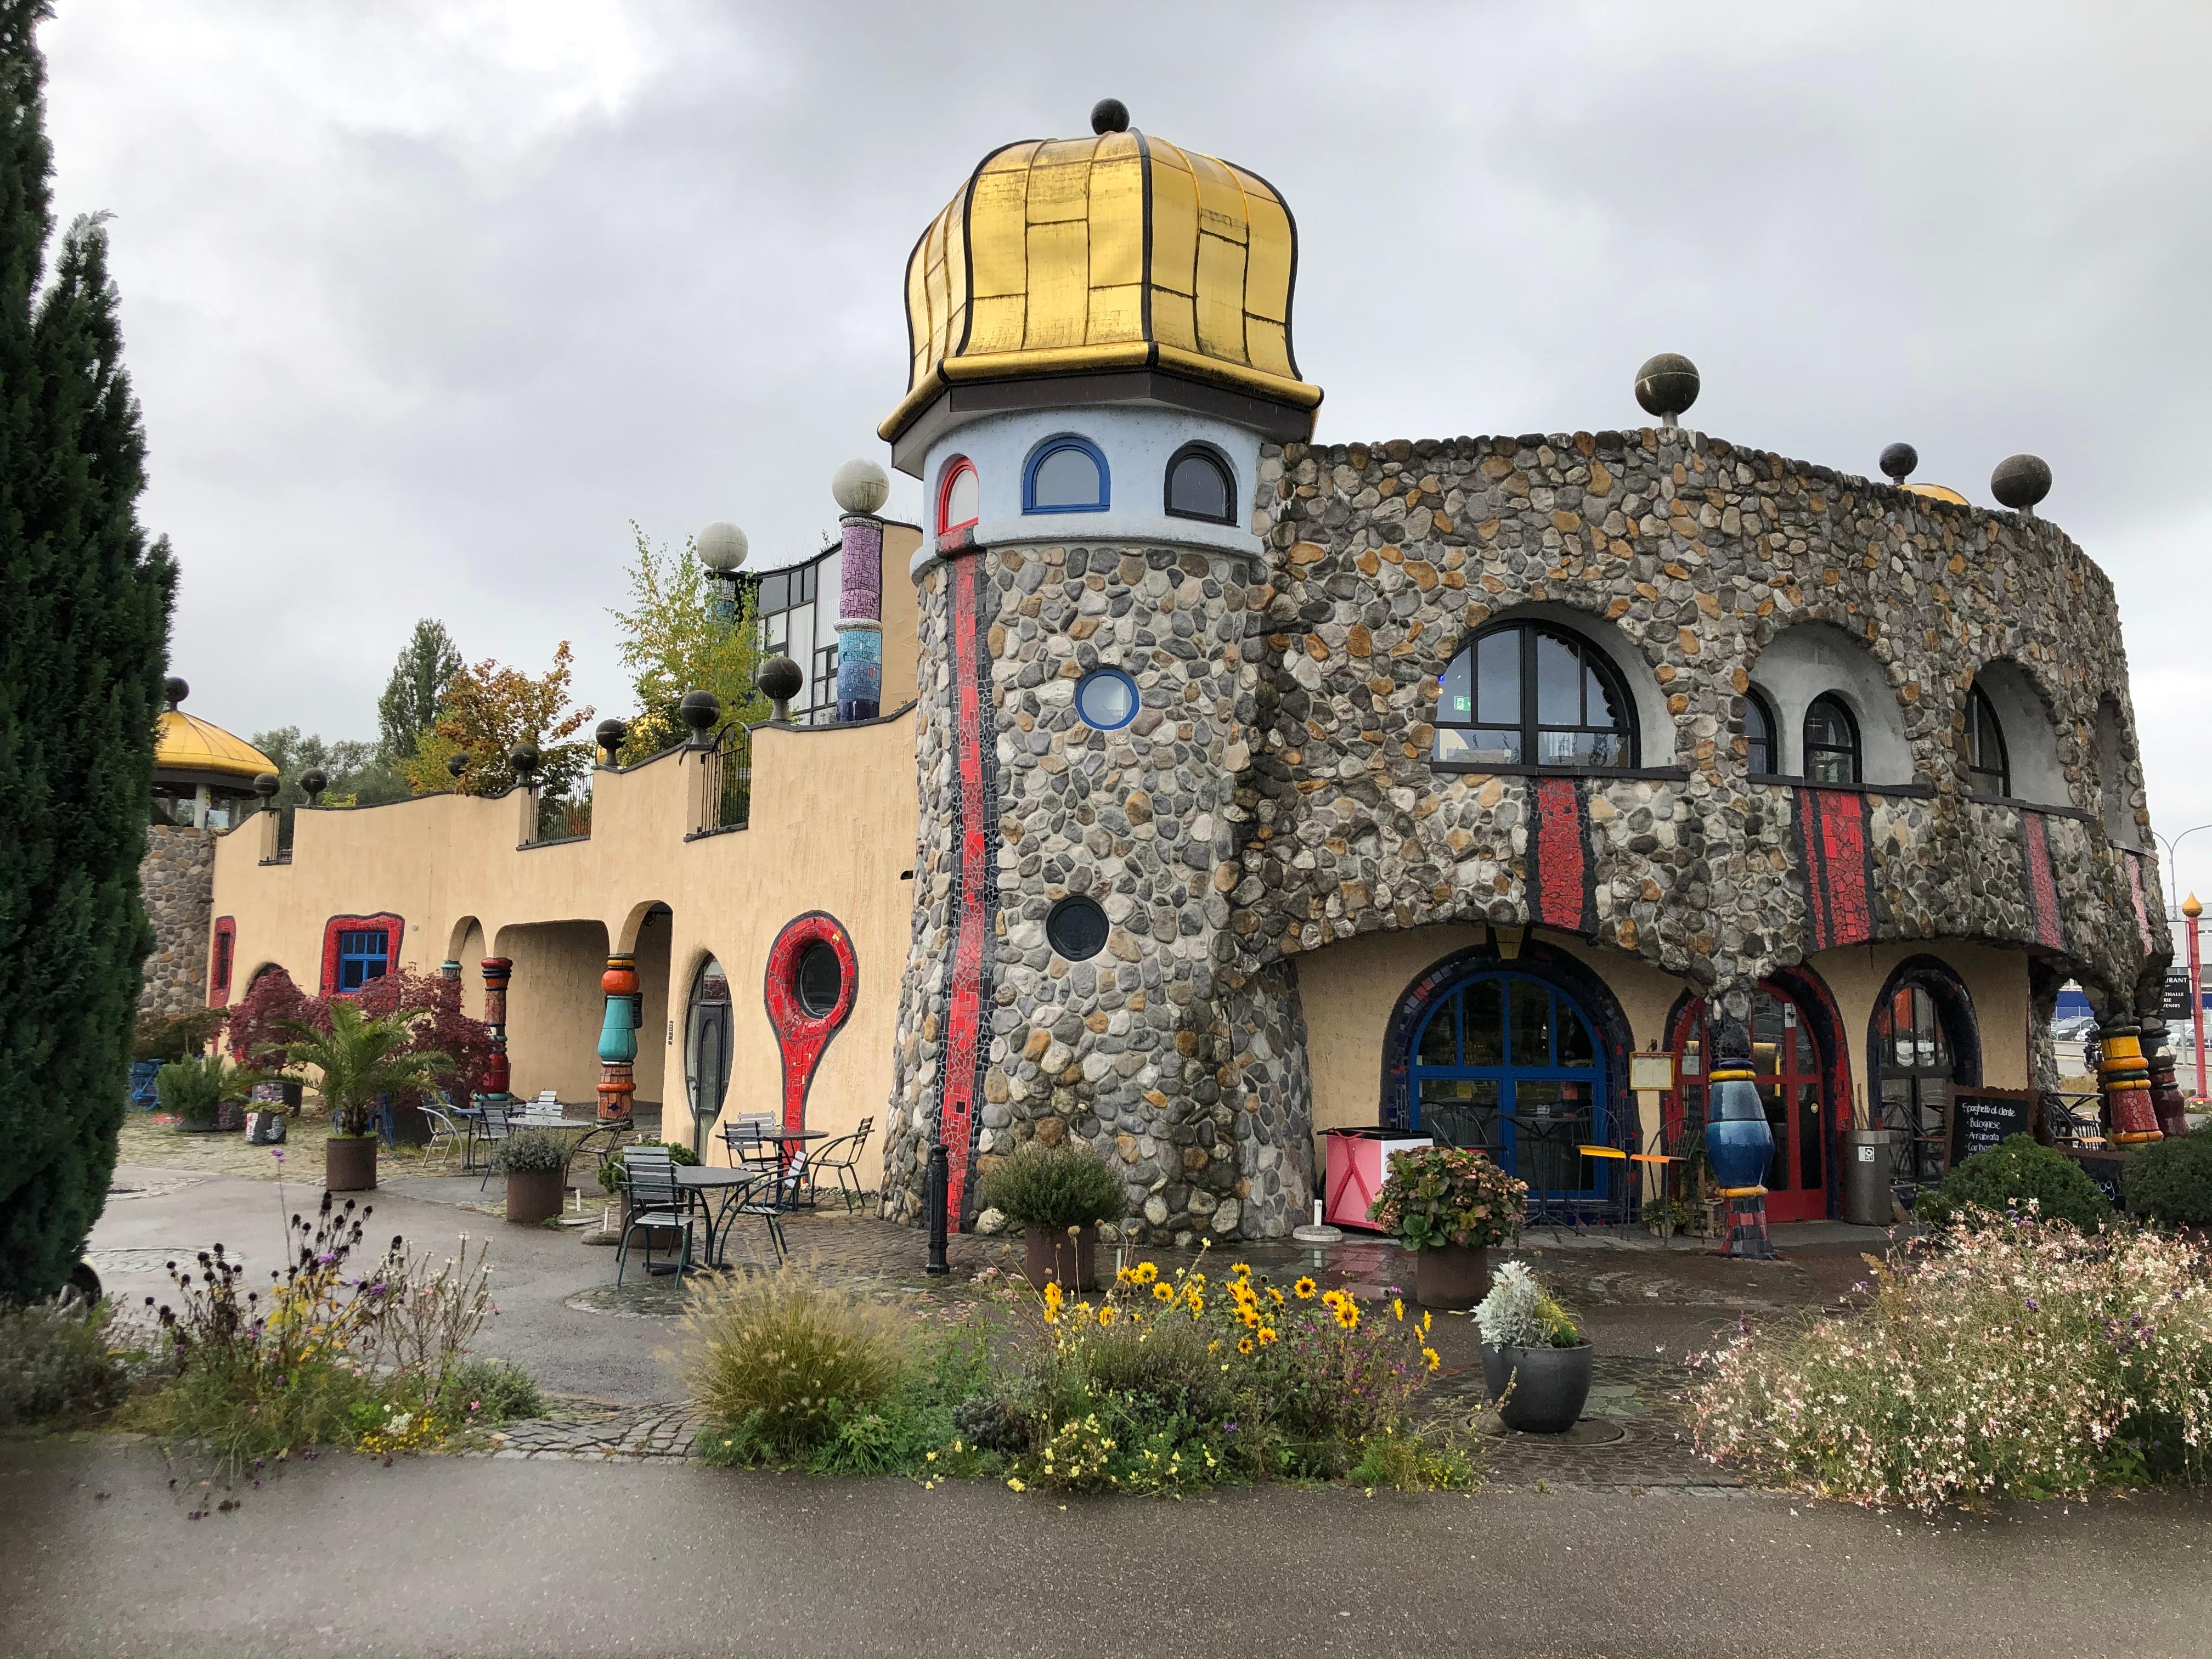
2104	1169
1980	1118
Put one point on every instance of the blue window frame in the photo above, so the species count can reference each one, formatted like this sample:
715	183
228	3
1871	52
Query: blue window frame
1506	1063
1107	699
1065	474
363	957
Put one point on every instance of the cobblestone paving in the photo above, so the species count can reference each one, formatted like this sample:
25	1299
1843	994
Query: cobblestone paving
597	1429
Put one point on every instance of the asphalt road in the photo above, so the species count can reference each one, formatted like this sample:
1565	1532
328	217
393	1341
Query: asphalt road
470	1557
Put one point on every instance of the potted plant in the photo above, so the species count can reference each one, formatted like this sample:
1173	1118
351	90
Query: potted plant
1059	1196
1449	1205
536	1164
359	1059
1533	1355
196	1088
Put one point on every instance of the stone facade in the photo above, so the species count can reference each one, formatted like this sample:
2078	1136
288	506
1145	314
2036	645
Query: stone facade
177	881
1277	792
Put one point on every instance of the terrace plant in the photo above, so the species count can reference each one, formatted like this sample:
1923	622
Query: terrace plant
358	1059
2007	1179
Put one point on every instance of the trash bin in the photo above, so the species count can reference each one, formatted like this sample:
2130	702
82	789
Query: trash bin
1866	1177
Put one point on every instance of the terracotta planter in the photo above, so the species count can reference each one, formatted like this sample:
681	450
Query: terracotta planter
349	1163
1550	1386
1048	1253
534	1194
1451	1276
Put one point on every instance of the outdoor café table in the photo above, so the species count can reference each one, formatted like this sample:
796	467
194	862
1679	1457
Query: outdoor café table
790	1137
734	1185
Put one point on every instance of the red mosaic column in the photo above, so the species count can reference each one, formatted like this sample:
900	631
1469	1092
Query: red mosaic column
497	970
2126	1082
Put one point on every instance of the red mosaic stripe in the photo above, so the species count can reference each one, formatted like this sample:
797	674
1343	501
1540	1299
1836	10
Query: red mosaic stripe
2135	861
1562	861
1834	841
800	1036
2041	882
963	1024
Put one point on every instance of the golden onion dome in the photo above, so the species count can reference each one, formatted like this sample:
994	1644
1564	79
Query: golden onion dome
1116	251
187	744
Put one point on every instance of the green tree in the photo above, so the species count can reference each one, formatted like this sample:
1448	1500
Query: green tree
82	651
359	774
674	642
489	710
417	691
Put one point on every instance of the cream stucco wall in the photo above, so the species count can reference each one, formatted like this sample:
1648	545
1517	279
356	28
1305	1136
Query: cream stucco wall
832	829
1348	989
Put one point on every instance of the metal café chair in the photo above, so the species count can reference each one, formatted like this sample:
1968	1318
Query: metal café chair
842	1157
747	1137
445	1135
497	1125
657	1203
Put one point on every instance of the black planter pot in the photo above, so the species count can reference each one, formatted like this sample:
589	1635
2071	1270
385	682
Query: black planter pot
1549	1386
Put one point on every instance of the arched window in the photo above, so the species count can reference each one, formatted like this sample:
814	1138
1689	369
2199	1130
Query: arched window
1988	770
1924	1044
1759	733
1065	474
1831	742
1526	695
959	498
1200	486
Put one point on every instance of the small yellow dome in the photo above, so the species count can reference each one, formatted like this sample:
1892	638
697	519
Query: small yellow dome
1116	251
187	744
1938	493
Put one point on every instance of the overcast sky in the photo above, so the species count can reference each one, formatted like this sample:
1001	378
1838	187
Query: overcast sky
426	301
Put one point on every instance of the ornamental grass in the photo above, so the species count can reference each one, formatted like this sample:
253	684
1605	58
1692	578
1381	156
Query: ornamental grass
2014	1358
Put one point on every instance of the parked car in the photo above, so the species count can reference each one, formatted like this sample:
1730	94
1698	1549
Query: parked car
2074	1028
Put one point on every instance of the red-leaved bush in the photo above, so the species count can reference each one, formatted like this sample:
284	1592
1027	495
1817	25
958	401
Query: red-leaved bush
260	1023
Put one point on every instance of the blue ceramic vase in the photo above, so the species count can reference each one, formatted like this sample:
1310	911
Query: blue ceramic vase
1739	1142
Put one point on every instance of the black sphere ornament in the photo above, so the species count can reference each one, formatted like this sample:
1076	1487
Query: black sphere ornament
265	784
781	679
1898	461
456	762
2020	481
523	758
699	710
611	735
1110	115
1666	386
175	689
314	783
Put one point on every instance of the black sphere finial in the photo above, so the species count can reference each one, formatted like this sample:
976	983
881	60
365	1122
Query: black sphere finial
265	784
314	783
523	758
1897	462
1667	385
1110	115
611	734
176	690
2020	481
699	710
456	762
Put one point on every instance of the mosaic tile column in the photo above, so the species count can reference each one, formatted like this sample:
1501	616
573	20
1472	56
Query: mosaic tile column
2126	1080
619	1040
497	970
860	618
2168	1108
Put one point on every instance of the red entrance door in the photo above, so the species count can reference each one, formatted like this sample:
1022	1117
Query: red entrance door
1788	1063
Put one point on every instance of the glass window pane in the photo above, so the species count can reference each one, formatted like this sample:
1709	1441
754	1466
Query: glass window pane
1765	1034
1197	487
1778	1161
1497	680
1574	1048
1559	683
1486	1024
962	501
1067	478
1549	1119
1531	1023
1481	746
775	593
1456	706
1440	1042
1597	701
1811	1169
1461	1112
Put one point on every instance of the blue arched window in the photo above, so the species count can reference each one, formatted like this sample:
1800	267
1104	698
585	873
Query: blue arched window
1065	474
1511	1065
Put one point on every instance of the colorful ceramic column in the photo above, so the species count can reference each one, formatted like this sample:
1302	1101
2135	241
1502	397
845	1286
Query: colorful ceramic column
2126	1080
496	972
1739	1142
619	1040
861	488
2167	1109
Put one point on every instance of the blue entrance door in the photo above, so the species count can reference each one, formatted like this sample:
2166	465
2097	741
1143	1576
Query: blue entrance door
1507	1064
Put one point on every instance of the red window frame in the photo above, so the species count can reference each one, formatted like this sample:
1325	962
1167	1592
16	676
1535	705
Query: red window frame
393	928
961	465
225	951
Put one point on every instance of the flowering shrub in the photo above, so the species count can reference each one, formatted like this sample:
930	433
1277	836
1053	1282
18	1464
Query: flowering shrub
2022	1359
1436	1195
1519	1313
2171	1181
777	1365
2007	1177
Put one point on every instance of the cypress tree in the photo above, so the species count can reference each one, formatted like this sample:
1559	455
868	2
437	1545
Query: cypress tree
84	623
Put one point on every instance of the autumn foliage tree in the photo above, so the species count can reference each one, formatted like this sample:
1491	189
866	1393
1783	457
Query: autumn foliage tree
674	642
489	710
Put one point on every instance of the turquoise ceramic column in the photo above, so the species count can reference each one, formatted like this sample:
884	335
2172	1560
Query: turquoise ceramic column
619	1040
861	488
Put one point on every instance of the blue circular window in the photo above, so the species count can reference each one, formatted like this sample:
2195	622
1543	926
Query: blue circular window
1106	698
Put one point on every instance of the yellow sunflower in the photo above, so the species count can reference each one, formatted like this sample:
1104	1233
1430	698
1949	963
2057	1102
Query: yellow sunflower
1303	1290
1277	1294
1242	1269
1108	1315
1347	1314
1244	1344
1434	1358
1398	1307
1162	1293
1267	1334
1144	1272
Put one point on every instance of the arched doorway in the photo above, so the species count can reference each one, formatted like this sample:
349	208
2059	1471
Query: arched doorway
1923	1045
708	1041
1510	1063
1801	1080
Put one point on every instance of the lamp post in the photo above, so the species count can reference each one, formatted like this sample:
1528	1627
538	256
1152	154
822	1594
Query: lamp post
2172	875
722	548
2190	909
